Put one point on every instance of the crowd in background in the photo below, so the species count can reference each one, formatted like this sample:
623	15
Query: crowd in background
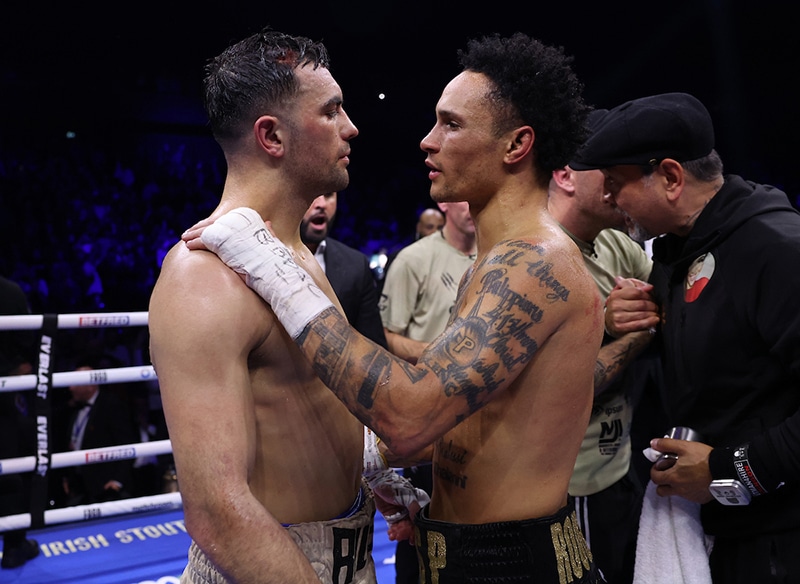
87	224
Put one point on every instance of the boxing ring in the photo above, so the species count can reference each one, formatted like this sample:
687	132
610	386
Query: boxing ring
130	541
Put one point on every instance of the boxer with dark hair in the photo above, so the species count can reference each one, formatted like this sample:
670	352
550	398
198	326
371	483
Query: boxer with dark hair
268	460
501	399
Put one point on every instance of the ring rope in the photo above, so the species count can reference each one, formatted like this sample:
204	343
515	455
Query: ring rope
67	378
75	321
90	456
163	502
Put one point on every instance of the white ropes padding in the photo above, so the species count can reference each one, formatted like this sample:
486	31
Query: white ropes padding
67	378
91	456
163	502
75	321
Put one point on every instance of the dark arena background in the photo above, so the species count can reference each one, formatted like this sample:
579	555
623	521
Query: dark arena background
105	157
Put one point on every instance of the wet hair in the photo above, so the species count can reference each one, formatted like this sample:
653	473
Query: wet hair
255	76
533	85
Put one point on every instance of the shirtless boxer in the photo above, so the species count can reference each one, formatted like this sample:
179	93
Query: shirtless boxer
269	461
504	394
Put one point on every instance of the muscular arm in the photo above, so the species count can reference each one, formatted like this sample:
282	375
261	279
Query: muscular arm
512	303
202	330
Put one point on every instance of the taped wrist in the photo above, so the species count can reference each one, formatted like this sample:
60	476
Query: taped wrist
374	461
241	240
386	483
394	488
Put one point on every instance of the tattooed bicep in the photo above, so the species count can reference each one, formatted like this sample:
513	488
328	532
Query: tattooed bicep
537	265
464	362
486	347
498	322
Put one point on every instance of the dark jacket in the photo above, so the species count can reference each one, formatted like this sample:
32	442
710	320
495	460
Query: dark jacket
352	280
732	355
17	426
109	424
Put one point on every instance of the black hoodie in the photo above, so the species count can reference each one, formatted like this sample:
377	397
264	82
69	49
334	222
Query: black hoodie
732	351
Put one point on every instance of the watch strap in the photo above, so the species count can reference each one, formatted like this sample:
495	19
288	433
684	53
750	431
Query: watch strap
734	463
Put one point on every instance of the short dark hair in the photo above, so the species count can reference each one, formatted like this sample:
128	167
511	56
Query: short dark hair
254	76
535	86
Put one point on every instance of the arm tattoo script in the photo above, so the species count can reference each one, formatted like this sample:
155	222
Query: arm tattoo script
539	269
472	359
502	319
452	460
615	356
332	335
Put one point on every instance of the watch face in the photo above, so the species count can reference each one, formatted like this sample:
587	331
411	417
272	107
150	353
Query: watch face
729	492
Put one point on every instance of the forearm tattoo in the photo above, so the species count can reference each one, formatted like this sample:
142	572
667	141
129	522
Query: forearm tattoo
614	357
477	354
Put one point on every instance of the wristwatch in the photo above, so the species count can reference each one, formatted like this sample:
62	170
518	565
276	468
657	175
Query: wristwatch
729	492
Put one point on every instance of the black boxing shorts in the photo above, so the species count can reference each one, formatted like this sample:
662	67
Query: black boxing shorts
546	550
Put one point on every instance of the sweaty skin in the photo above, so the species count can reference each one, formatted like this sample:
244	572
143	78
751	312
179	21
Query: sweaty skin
258	439
233	373
504	394
475	392
498	426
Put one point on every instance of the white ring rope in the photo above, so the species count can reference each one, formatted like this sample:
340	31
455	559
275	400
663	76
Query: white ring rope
75	321
91	456
67	378
163	502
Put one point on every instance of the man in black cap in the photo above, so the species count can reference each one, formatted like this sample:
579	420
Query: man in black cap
726	283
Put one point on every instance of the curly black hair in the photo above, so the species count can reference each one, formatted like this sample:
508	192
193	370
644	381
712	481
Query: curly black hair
253	76
534	85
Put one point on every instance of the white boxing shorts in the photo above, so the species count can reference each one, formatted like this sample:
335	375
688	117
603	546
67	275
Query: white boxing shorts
340	550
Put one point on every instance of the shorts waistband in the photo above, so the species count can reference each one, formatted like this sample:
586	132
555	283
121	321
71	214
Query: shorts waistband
358	503
542	550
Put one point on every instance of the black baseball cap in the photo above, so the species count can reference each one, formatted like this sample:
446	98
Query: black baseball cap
648	130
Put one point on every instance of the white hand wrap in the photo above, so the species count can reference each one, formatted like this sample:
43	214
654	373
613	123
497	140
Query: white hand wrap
241	240
386	482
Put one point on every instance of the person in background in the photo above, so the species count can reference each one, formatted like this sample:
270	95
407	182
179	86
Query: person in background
149	471
17	426
429	221
418	298
500	400
605	485
731	354
98	418
271	465
346	268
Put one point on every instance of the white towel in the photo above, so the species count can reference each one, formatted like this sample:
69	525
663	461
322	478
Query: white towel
671	547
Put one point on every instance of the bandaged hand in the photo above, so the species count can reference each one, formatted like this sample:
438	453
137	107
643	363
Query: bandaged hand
241	240
388	486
